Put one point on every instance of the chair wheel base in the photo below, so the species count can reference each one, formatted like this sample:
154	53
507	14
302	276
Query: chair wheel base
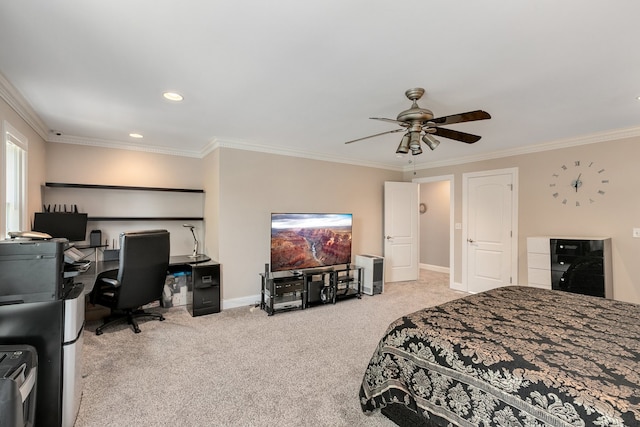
130	317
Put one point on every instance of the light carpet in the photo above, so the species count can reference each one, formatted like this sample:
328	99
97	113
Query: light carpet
242	367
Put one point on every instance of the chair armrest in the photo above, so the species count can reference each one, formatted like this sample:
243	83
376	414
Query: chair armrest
106	285
112	282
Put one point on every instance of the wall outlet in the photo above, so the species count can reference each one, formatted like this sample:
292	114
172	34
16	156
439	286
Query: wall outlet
636	232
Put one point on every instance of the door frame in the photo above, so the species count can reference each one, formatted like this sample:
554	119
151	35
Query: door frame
451	179
514	221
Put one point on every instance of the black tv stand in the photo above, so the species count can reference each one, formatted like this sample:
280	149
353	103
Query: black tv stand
302	289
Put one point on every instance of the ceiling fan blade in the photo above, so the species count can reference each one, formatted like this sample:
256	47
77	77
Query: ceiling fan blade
459	118
377	134
457	135
398	122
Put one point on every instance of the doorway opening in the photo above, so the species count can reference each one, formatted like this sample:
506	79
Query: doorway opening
436	224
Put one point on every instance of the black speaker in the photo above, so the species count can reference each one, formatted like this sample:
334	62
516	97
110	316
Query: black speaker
95	238
204	297
314	291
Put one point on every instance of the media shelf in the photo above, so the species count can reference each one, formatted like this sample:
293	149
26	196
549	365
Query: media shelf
304	289
282	293
347	283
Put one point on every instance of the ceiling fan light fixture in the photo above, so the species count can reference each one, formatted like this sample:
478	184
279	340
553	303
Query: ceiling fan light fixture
403	148
414	141
430	141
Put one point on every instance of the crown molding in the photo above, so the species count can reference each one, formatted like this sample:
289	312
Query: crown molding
94	142
536	148
20	105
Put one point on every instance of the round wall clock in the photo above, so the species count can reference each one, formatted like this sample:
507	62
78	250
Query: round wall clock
579	183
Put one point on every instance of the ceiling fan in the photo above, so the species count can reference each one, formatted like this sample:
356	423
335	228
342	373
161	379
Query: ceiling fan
418	123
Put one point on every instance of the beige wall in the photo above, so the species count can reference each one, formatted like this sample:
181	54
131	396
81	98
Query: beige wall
35	157
614	215
80	164
253	185
107	166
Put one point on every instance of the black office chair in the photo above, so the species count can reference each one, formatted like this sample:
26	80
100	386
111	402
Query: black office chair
139	280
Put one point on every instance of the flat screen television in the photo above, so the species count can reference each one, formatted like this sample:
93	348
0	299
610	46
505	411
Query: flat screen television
72	226
310	240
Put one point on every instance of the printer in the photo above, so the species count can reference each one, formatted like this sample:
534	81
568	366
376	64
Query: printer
41	308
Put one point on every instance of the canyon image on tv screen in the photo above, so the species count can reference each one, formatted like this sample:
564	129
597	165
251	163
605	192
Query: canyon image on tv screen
310	240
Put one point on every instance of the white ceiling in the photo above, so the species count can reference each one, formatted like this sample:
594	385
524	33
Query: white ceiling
300	77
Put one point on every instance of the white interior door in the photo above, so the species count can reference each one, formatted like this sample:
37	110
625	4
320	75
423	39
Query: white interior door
401	231
490	217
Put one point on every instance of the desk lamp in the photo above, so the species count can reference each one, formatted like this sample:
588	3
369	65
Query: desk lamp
195	241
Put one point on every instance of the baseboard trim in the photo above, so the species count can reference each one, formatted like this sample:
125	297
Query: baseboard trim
458	287
437	268
240	302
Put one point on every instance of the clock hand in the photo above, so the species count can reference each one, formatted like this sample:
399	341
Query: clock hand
577	184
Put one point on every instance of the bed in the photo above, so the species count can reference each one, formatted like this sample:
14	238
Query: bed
512	356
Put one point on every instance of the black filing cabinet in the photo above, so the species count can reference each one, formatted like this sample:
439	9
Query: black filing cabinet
203	297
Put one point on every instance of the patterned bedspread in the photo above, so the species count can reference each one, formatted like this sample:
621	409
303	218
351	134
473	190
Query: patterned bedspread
512	356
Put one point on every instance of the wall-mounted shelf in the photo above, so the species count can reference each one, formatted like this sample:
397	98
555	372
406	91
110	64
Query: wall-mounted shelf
144	218
121	187
128	203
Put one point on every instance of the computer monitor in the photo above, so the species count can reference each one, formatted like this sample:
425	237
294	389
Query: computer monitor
72	226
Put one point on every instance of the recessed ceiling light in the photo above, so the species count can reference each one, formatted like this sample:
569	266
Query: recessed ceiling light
173	96
135	135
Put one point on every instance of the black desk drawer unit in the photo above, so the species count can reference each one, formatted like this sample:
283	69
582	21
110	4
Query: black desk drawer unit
204	295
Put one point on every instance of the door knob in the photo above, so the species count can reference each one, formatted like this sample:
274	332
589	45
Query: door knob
389	237
470	240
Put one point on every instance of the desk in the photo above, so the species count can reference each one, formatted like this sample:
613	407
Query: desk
88	278
203	292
